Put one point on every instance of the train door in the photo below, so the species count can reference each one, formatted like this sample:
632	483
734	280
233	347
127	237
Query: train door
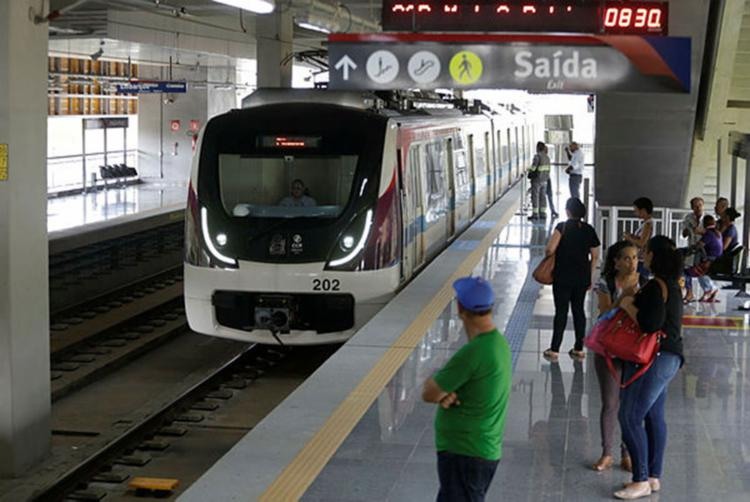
510	160
516	152
436	188
488	177
475	182
417	193
499	164
408	232
461	188
452	204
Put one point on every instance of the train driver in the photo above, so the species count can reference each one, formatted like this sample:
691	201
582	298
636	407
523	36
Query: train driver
299	196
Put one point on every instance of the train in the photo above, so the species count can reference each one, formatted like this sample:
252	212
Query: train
308	210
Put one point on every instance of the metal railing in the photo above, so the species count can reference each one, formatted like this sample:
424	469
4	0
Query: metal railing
611	222
66	172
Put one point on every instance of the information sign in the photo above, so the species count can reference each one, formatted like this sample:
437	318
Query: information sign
556	63
545	16
3	162
153	87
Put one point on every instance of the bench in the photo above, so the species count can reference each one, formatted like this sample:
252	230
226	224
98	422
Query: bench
729	268
121	173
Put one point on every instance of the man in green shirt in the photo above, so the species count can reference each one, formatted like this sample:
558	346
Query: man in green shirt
472	392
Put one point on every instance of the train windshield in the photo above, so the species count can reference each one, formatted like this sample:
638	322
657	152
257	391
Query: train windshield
285	185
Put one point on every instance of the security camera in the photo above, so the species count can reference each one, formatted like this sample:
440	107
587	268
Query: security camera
169	99
98	53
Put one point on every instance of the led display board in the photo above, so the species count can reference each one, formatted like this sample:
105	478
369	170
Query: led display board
566	16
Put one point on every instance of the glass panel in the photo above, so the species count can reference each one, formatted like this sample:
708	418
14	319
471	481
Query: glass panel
286	186
436	186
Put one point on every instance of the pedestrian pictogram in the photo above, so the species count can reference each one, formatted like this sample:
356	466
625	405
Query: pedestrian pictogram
466	67
382	67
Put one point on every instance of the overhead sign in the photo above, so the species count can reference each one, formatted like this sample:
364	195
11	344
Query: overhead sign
550	16
156	87
559	63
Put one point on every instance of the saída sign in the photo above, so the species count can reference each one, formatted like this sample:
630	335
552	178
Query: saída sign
560	63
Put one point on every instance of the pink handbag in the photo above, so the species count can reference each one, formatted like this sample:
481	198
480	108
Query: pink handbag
620	336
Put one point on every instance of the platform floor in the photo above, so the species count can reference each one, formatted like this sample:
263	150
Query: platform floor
552	432
84	209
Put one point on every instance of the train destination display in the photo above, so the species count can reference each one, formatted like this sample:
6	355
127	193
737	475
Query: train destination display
566	16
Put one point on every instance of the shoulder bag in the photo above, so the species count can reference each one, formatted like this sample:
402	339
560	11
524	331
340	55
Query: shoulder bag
616	334
544	272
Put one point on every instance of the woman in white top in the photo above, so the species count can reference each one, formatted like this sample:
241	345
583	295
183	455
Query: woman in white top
643	208
619	278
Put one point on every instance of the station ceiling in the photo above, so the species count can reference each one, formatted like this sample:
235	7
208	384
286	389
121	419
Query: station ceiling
188	30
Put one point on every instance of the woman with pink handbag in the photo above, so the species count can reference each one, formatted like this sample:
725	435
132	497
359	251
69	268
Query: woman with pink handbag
620	278
656	307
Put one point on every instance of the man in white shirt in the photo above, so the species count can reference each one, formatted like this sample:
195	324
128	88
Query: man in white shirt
575	169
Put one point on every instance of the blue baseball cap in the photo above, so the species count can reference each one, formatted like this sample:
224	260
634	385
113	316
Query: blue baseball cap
474	293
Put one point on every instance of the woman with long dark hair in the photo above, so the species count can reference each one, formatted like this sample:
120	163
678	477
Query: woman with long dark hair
576	248
620	278
657	306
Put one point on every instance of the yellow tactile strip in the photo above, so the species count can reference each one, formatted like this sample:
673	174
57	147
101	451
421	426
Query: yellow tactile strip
302	471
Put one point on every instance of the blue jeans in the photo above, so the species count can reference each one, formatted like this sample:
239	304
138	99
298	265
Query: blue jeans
464	478
642	414
707	285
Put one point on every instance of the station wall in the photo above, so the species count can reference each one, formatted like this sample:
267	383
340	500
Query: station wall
163	152
644	141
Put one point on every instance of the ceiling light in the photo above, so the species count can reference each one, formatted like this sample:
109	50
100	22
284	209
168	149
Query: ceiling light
310	26
256	6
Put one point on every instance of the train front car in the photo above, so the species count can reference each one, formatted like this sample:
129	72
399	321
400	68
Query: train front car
292	232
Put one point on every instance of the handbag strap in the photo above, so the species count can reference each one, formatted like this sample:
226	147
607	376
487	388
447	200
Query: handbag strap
638	374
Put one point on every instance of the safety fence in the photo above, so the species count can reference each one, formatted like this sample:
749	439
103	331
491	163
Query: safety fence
612	222
77	172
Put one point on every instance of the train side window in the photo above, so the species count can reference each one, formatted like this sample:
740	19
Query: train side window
436	186
412	176
487	150
480	165
502	146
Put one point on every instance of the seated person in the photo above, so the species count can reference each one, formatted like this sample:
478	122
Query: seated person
300	196
707	250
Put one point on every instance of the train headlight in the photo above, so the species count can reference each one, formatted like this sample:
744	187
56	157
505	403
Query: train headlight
221	239
347	243
216	255
343	256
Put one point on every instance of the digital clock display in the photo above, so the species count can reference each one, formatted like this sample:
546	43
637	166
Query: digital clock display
567	16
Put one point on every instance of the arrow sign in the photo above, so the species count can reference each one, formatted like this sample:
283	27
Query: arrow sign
347	64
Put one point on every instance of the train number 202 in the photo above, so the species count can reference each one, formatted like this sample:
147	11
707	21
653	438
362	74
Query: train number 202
326	285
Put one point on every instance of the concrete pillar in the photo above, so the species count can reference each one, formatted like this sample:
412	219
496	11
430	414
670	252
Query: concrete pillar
274	34
221	99
24	303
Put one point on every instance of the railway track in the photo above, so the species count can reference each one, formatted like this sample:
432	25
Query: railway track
90	340
79	275
178	430
135	393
